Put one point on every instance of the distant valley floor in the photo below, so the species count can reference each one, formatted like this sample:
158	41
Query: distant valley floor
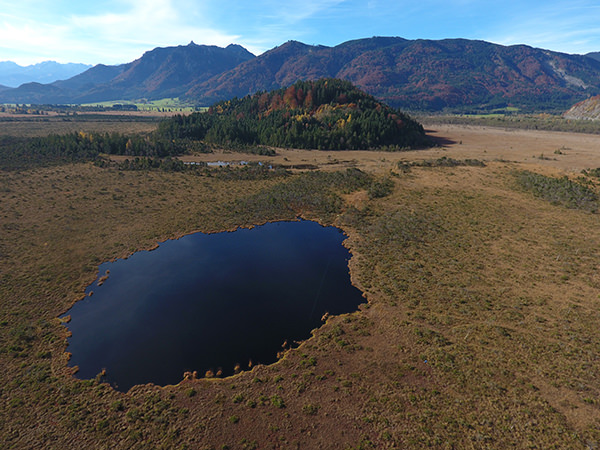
568	152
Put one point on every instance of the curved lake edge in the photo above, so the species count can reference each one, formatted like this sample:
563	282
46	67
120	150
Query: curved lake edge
193	377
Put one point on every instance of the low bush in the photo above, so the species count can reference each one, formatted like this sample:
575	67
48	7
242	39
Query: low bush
559	191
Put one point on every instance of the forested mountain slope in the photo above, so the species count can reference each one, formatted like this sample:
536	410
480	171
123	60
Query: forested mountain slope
451	74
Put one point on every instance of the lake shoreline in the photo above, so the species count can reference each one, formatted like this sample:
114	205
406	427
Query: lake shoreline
101	278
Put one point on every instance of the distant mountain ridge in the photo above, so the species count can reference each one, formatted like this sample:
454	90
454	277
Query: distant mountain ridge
167	72
430	75
159	73
422	74
14	75
595	55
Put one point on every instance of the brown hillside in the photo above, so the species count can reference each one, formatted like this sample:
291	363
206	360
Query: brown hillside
586	110
420	74
456	74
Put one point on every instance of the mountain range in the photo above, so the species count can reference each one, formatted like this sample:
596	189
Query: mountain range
13	75
430	75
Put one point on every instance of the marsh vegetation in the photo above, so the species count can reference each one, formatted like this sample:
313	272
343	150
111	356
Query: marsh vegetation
480	328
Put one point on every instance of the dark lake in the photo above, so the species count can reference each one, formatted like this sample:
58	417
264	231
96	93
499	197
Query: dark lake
209	302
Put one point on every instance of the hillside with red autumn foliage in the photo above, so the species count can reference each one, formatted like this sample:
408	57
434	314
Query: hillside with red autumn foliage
421	74
416	75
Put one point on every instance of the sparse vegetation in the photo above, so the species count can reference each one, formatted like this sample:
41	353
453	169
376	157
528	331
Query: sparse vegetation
310	409
444	161
379	189
547	122
592	172
312	193
480	331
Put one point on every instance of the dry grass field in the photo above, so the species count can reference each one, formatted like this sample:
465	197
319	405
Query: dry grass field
479	328
106	122
566	152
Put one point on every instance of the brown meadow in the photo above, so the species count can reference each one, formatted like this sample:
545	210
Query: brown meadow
479	331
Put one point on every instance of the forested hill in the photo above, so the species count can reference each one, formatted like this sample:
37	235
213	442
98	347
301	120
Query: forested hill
324	114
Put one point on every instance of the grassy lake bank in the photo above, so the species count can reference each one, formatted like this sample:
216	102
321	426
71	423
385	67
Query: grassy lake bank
480	331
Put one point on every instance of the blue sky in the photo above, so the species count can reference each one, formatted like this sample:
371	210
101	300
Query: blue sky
118	31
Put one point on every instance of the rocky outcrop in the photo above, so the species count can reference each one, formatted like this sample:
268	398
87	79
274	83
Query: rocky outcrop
586	110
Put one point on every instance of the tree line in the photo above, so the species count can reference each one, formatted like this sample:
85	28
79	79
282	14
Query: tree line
326	114
22	153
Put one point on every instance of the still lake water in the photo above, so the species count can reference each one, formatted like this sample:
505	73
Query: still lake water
209	302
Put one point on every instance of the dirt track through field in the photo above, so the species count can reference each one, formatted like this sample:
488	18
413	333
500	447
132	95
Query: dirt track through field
569	152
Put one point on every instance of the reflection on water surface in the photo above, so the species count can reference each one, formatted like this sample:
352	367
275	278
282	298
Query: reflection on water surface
210	302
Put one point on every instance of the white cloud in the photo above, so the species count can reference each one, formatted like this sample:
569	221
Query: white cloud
278	21
291	13
121	35
145	24
117	31
570	28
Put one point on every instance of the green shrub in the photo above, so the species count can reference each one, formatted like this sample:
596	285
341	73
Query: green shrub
559	191
380	189
277	401
310	409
